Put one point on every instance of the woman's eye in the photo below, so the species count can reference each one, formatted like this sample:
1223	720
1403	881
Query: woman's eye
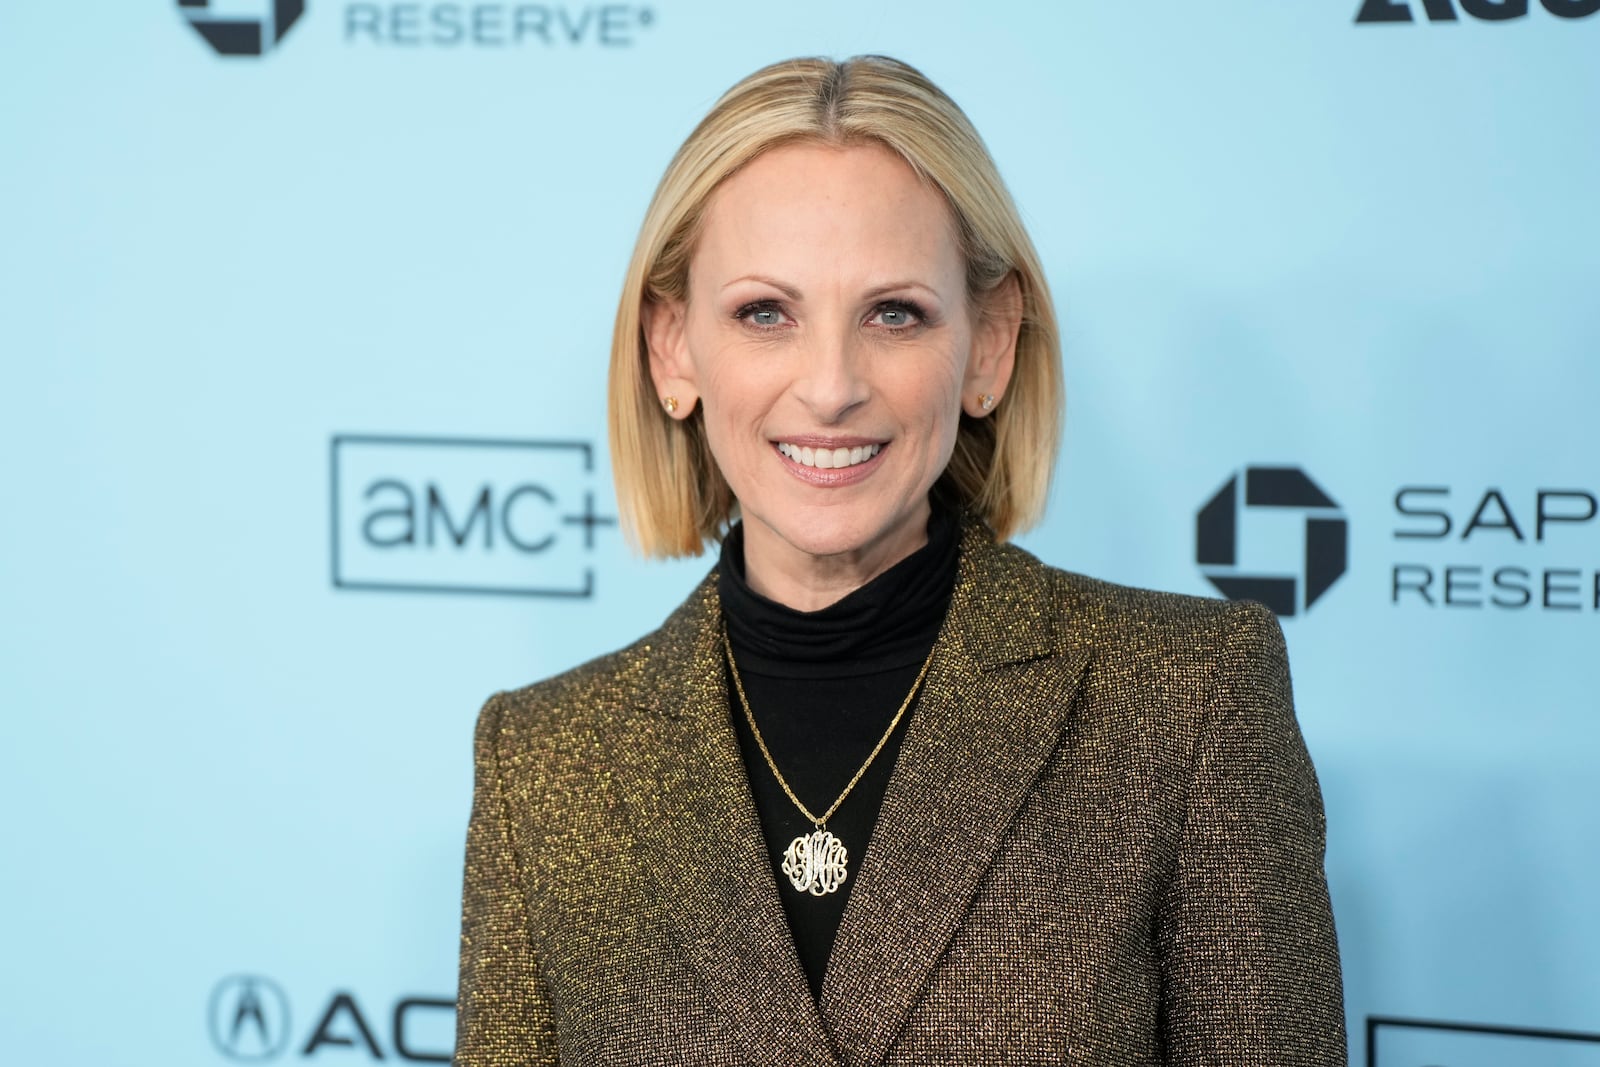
897	316
763	315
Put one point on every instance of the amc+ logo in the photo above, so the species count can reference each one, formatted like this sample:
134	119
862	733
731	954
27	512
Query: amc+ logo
230	35
465	515
1310	546
1483	10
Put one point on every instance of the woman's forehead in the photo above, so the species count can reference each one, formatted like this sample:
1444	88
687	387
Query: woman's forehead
854	212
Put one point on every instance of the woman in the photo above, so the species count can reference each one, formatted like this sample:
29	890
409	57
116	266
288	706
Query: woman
883	790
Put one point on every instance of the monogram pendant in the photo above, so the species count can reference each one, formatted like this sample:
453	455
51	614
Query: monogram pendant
815	863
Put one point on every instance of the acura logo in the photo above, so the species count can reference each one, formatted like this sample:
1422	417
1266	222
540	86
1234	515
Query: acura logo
249	1017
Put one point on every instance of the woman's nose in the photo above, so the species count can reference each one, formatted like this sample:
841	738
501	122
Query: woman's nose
832	377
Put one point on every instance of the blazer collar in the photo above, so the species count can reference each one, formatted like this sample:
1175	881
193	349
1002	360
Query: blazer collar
683	783
991	712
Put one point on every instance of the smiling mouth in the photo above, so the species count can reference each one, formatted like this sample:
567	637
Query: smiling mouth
829	458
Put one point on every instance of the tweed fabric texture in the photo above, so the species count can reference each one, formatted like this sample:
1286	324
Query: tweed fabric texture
1102	843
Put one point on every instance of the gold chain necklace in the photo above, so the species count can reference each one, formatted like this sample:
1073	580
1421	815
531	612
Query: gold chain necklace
816	862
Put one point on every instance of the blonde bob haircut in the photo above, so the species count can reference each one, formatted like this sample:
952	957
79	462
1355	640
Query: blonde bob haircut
672	498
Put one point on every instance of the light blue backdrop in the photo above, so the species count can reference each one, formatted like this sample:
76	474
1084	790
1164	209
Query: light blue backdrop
247	303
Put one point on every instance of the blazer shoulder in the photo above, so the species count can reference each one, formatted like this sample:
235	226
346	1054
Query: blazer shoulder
1128	614
597	689
578	701
1180	668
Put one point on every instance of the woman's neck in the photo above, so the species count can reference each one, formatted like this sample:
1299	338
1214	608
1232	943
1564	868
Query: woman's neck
783	572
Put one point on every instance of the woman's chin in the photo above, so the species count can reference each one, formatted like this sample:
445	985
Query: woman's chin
832	539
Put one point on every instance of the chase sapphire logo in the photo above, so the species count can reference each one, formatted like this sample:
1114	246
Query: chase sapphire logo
249	1017
252	34
1395	1042
1271	534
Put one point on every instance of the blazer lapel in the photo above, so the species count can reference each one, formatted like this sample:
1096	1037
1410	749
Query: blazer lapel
681	778
991	712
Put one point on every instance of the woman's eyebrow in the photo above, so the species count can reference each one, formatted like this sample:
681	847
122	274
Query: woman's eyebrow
893	287
794	294
787	290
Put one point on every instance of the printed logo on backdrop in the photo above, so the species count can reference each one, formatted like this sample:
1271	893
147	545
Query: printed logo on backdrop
1498	547
465	515
249	1017
1393	1042
255	27
1273	535
495	25
1481	10
242	27
249	1022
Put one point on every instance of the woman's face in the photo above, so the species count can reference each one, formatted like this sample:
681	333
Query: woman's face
829	339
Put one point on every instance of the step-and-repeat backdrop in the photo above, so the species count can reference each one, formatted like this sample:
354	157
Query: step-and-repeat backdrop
304	314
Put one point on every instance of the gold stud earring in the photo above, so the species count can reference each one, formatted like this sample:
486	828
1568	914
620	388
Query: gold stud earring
985	401
670	403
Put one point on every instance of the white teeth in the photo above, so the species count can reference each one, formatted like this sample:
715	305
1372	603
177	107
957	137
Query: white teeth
829	458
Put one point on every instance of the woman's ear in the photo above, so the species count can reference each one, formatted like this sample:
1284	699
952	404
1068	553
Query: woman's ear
670	367
994	347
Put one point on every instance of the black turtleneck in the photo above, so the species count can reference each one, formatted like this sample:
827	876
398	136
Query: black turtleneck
824	686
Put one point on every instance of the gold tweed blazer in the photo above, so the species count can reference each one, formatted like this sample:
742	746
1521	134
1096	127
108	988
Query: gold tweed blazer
1102	844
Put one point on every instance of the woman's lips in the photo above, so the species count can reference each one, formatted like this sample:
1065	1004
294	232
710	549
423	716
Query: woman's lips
825	458
830	462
